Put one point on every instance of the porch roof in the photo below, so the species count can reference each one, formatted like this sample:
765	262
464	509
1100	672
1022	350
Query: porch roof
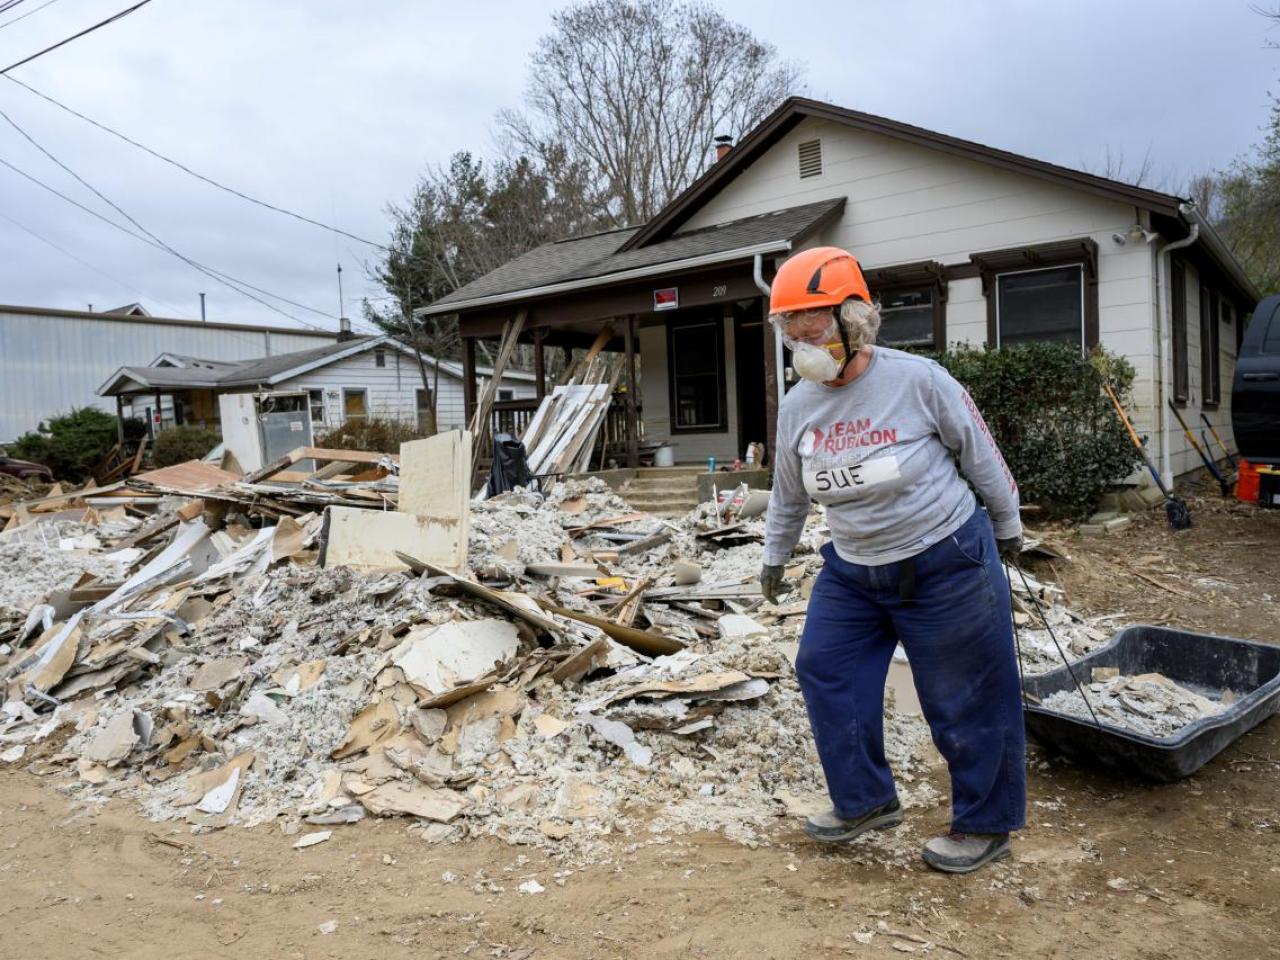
598	260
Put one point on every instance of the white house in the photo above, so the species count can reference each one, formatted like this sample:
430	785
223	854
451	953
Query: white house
961	242
268	406
53	360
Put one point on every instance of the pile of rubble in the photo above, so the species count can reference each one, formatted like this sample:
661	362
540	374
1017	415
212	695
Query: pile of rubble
581	670
594	671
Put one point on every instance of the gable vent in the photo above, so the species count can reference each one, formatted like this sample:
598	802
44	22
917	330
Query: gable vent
810	158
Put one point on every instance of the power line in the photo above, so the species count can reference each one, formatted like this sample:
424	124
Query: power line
9	23
215	275
76	36
9	5
199	176
80	260
142	239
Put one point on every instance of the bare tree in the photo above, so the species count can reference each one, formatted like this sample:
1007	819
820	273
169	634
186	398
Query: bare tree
635	91
1116	166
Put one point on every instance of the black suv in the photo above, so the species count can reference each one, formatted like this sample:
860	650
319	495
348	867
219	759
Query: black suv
1255	392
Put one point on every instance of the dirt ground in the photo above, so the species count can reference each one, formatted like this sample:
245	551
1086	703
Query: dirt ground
1108	867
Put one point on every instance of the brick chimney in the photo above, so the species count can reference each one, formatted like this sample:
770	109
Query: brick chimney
723	145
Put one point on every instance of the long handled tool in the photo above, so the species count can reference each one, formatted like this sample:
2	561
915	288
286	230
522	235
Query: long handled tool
1204	457
1175	509
1227	453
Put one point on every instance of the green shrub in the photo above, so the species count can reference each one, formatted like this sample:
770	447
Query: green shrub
180	444
70	444
1045	406
376	434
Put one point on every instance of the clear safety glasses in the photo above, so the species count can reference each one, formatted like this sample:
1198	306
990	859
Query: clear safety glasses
813	327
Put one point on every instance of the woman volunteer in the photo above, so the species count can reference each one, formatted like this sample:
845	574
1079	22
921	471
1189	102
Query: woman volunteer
881	439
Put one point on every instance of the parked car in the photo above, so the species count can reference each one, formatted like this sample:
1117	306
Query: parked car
24	469
1255	392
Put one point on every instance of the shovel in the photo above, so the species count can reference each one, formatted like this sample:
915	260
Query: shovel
1175	509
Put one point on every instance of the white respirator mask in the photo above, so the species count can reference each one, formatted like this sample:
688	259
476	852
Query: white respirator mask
810	357
814	363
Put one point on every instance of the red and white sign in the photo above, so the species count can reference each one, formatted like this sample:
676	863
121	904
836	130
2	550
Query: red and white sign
668	298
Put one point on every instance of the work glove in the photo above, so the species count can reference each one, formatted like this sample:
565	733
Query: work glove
771	582
1009	549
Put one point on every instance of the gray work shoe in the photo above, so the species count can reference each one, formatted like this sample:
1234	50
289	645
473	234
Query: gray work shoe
830	827
965	852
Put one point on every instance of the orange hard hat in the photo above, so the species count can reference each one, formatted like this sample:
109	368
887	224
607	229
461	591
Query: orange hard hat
820	277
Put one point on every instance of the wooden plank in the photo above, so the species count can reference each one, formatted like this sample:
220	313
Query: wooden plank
643	641
479	423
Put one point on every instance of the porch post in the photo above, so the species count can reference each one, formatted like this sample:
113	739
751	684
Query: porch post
633	432
539	361
468	379
120	420
157	418
771	374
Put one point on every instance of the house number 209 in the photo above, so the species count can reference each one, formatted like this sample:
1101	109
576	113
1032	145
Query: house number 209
719	290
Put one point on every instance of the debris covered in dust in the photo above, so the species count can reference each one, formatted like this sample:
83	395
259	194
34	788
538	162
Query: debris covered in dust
1149	704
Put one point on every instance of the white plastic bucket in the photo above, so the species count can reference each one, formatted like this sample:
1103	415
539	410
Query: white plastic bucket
664	456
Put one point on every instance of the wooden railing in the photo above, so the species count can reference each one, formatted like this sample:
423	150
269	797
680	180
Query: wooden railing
512	416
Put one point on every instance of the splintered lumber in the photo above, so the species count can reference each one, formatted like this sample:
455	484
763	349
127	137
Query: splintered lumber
565	425
319	454
508	602
642	641
480	419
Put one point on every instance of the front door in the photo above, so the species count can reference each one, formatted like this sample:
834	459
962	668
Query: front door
748	339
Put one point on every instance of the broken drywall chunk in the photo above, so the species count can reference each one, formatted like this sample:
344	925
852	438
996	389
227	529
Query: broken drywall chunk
13	754
304	676
374	724
311	839
736	625
429	724
259	705
455	653
217	791
549	726
370	539
217	673
414	799
620	735
114	742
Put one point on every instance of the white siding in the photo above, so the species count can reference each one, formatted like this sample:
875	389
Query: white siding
1183	455
51	363
391	389
907	203
656	399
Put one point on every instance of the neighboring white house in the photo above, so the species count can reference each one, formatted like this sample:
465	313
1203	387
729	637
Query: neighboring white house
962	243
303	394
53	360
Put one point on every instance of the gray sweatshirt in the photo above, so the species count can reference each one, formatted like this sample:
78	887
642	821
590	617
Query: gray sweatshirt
880	454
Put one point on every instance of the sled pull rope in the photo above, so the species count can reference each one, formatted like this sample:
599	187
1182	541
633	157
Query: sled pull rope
1061	653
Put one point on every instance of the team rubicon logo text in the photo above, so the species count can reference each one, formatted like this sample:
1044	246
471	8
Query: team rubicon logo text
846	435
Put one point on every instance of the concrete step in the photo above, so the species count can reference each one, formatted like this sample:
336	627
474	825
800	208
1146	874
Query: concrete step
677	485
662	504
687	470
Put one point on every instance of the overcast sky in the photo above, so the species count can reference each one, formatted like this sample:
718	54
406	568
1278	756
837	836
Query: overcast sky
333	109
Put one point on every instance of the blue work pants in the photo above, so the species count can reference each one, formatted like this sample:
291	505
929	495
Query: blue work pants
958	635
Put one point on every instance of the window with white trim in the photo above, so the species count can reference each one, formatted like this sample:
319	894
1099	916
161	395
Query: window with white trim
316	400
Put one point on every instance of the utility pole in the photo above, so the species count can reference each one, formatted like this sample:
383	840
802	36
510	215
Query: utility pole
202	317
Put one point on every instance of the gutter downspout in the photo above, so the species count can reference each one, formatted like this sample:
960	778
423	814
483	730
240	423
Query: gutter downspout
1164	301
757	274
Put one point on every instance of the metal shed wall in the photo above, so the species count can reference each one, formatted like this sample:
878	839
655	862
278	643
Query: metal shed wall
53	360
